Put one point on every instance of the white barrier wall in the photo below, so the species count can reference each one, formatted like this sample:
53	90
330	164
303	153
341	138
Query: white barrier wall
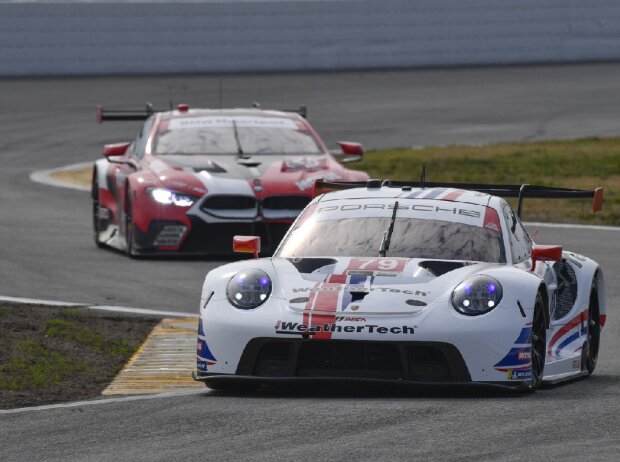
248	36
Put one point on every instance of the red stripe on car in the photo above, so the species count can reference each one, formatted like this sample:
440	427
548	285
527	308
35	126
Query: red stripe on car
454	195
566	328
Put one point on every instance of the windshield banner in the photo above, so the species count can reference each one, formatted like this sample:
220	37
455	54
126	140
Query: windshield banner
181	123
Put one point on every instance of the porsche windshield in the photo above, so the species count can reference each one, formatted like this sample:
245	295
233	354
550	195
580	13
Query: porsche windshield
236	135
411	238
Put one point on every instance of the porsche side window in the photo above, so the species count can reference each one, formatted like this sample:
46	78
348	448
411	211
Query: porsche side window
520	242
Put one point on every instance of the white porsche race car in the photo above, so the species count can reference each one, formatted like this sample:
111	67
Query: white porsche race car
416	283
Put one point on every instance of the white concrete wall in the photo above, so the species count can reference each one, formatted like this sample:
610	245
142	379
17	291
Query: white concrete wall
46	38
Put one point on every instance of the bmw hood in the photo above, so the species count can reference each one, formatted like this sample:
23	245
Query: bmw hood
267	173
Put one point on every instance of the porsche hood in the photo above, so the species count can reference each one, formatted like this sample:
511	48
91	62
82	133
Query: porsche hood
371	285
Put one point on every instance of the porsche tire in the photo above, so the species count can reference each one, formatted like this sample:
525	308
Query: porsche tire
539	343
591	348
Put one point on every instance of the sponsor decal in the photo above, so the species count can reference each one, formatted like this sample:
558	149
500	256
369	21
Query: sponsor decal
524	355
520	355
204	357
395	265
294	328
347	288
350	319
519	374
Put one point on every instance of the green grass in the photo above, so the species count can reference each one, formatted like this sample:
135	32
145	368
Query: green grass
585	163
55	354
84	336
31	365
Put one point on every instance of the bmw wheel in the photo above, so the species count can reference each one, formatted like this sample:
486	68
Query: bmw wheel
129	225
96	211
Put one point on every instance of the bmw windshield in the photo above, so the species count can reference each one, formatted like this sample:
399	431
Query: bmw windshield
421	230
235	135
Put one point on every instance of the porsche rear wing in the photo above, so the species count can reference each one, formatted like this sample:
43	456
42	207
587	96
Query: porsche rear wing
503	190
148	111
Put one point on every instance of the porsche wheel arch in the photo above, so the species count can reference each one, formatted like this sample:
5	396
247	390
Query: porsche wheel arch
542	290
592	346
598	283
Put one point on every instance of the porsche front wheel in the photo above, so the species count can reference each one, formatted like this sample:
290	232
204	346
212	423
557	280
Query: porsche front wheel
539	343
591	348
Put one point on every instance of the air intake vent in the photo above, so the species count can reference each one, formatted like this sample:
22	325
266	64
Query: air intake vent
230	206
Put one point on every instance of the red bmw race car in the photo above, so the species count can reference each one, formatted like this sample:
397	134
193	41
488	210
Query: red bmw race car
193	178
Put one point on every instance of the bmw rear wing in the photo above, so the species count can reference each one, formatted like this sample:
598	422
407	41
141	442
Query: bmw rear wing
123	115
302	110
148	111
503	190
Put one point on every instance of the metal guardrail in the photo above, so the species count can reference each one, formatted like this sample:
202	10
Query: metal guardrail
83	38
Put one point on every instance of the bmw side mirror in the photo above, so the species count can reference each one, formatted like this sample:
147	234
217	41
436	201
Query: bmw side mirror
116	149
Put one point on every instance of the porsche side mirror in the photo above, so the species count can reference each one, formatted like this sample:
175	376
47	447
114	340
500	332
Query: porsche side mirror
545	253
116	149
247	244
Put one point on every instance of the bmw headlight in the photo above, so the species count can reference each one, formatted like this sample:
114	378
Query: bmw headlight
248	289
168	197
477	295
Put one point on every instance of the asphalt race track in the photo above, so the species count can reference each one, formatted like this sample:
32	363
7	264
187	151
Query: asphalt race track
47	251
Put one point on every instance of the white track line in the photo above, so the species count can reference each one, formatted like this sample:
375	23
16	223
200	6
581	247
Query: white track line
126	309
89	306
34	301
45	176
572	226
96	402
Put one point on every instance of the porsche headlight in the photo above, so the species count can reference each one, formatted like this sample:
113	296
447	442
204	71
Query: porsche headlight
477	295
248	289
169	197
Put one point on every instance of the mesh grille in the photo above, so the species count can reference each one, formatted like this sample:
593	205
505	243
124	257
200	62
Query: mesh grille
229	202
285	202
567	289
419	362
